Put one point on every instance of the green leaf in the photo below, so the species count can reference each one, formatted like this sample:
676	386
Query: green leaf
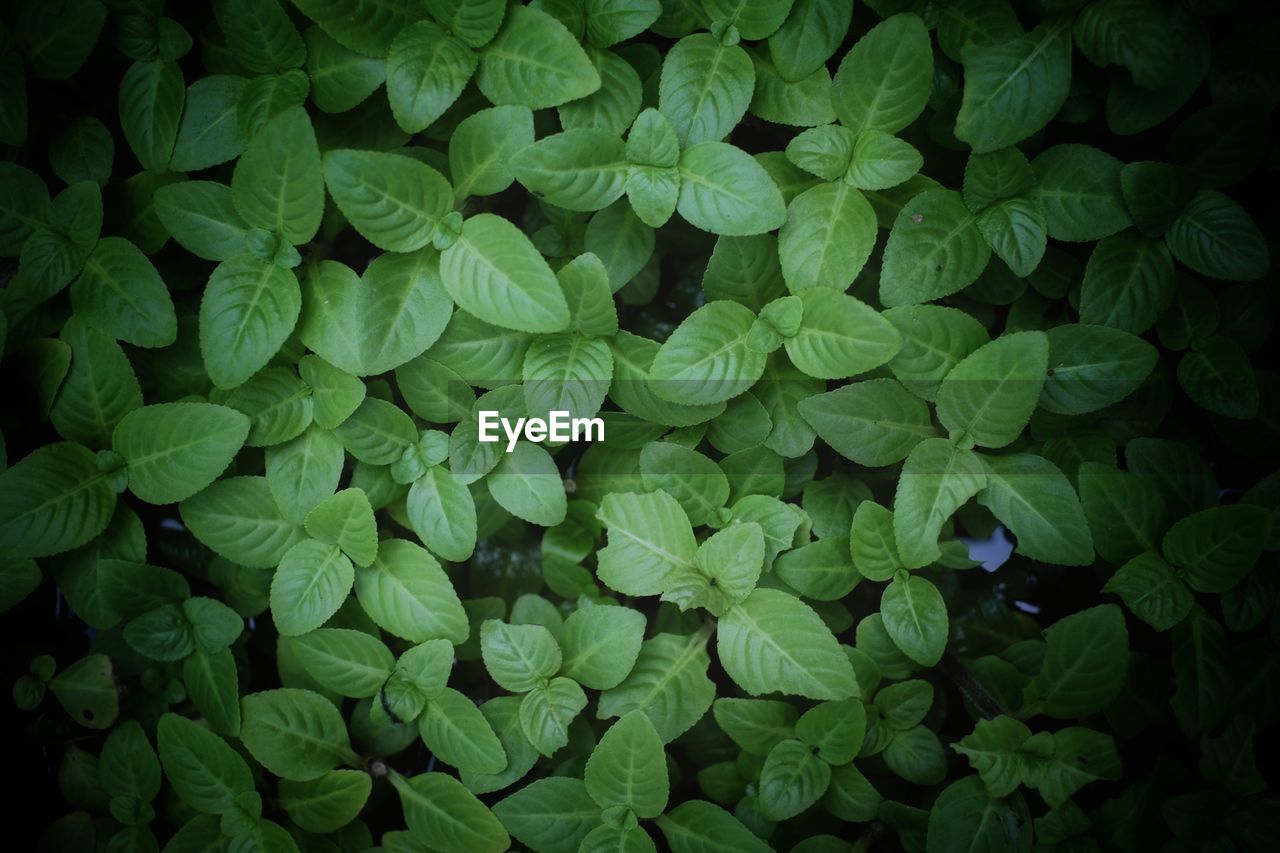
550	815
173	450
1214	549
213	684
705	88
120	292
535	62
54	499
835	729
407	594
934	249
346	520
248	311
1217	376
312	582
724	191
792	779
1128	283
988	397
547	710
458	734
239	520
438	807
884	81
1085	660
875	422
1012	89
365	26
994	750
326	804
1152	590
277	184
341	78
443	514
880	161
518	657
730	562
827	238
934	340
1079	187
820	570
394	201
840	336
527	484
1092	367
936	480
580	169
295	734
88	692
350	663
150	104
206	773
209	133
1035	500
481	148
1216	237
756	725
494	272
707	359
695	826
628	768
774	642
601	644
1126	513
669	683
427	70
965	817
202	218
694	480
568	373
650	542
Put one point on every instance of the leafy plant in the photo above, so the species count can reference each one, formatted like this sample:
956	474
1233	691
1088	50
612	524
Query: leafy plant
856	294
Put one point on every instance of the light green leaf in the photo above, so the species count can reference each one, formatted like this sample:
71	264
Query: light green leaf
202	218
934	340
827	238
55	499
341	78
580	169
173	450
518	657
346	520
206	773
934	250
427	70
249	309
884	81
876	422
459	735
295	734
535	62
326	804
312	582
350	663
705	88
277	184
407	594
394	201
601	644
438	807
880	161
793	778
443	514
481	148
774	642
915	617
669	683
547	710
527	484
120	292
707	359
840	336
988	397
568	372
494	272
239	520
550	815
628	768
820	570
1036	502
724	191
650	542
936	480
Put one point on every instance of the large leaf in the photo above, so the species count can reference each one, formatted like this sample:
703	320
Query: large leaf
535	62
120	292
792	779
481	147
1214	549
581	169
707	359
238	518
988	397
934	250
53	500
249	309
828	237
628	768
348	662
876	422
206	773
309	586
601	644
329	803
1128	283
1126	513
550	814
407	594
295	734
884	81
650	542
1152	590
442	512
1215	236
1091	367
774	642
426	71
365	26
527	484
1036	502
1079	187
669	683
173	450
724	191
915	618
936	480
705	88
1085	660
150	103
840	336
393	200
494	272
438	807
277	184
458	734
1012	89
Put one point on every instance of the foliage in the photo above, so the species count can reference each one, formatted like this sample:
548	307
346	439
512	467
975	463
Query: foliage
850	290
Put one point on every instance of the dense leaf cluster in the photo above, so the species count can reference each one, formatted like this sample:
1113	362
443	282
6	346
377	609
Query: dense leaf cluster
851	290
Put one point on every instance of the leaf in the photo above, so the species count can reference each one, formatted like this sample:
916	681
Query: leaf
518	657
650	542
934	249
1216	237
206	773
1126	513
724	191
54	499
443	514
312	582
628	768
551	814
120	292
705	88
87	691
1202	696
774	642
730	562
239	520
213	684
827	238
884	81
580	169
527	484
326	804
150	103
427	70
1128	283
820	570
1152	591
1035	500
1079	187
568	373
365	26
481	148
202	218
295	734
1012	89
347	662
965	817
277	183
669	683
1216	548
458	734
1092	367
438	807
547	710
249	309
707	359
601	644
407	594
694	480
695	826
1217	376
494	272
1085	660
915	617
936	480
535	62
840	336
173	450
988	397
341	78
793	778
875	422
394	201
881	160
